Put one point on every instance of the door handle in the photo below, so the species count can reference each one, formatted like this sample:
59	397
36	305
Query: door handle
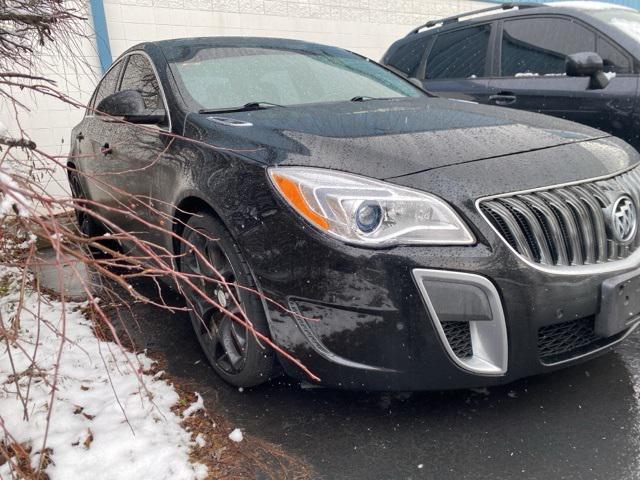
105	149
503	99
80	137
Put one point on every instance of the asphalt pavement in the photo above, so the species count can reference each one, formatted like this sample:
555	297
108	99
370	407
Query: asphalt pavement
579	423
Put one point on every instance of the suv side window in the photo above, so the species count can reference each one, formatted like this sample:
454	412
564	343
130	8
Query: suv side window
139	75
459	54
541	45
407	57
107	86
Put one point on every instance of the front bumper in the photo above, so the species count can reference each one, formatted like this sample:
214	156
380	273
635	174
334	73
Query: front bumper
359	318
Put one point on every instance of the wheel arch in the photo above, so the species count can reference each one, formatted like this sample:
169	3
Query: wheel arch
189	205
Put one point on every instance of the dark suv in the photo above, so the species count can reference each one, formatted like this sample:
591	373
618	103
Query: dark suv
575	60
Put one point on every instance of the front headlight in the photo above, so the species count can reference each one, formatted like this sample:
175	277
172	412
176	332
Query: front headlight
369	212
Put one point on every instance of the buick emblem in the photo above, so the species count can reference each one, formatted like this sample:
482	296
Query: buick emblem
623	220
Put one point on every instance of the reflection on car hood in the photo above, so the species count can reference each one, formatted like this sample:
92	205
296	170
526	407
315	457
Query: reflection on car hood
385	138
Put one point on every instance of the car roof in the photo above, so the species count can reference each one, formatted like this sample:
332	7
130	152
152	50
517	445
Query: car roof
174	45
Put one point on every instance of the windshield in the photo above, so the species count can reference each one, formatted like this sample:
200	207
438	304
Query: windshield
228	77
625	20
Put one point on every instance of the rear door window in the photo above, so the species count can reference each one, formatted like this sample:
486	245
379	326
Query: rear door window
540	46
459	54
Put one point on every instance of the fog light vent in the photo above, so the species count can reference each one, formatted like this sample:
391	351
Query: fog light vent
459	337
467	314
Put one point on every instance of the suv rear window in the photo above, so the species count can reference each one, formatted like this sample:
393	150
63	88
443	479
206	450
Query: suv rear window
459	54
541	45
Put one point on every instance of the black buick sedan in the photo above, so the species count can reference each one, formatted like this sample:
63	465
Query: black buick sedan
405	242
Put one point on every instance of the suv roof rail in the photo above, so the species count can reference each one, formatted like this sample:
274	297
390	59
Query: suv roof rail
456	18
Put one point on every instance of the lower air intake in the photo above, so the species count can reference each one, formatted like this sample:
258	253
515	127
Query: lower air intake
563	341
459	337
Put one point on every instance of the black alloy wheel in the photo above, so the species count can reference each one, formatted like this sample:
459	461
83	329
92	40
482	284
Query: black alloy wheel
231	348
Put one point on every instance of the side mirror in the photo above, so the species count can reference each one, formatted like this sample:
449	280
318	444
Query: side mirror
588	64
129	105
416	82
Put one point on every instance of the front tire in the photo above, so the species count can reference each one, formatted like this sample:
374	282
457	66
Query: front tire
232	350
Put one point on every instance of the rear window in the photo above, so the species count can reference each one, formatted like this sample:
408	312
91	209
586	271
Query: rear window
459	54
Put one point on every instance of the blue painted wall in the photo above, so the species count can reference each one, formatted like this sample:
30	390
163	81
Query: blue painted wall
102	34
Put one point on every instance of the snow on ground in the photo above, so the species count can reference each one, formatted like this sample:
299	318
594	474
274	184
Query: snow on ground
11	197
103	425
236	435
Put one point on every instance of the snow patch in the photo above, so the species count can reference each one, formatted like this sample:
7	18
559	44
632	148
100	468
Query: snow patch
200	441
109	418
236	435
534	74
194	407
12	200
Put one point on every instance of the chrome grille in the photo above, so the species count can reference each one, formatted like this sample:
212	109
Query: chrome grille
564	225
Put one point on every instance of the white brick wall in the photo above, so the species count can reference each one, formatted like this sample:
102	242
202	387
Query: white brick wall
364	26
367	27
48	121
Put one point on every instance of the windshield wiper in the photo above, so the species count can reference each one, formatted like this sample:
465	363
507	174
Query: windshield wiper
366	98
361	98
243	108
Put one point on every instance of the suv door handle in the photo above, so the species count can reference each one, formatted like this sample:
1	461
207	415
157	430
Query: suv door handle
503	99
80	137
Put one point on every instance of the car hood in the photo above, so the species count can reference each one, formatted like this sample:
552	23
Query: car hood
384	138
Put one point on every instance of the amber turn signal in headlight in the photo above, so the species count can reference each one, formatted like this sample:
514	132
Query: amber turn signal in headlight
369	212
